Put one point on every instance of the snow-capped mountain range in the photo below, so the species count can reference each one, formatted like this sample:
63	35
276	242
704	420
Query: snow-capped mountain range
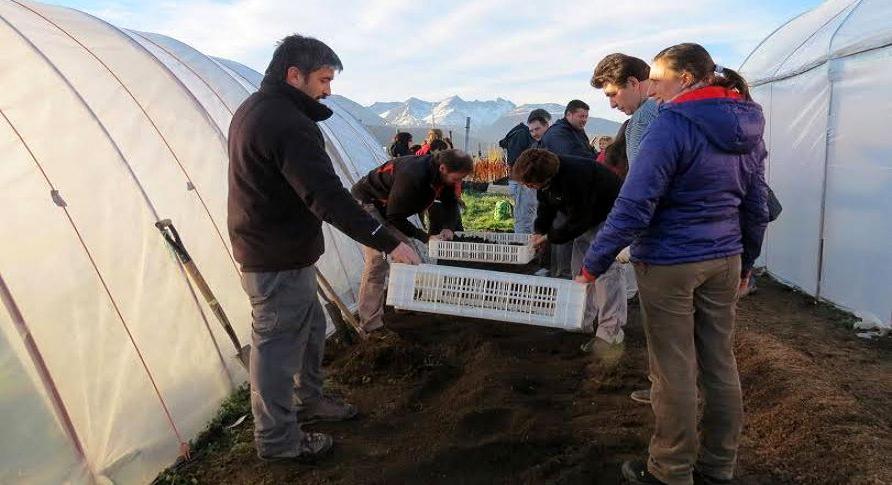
451	111
490	120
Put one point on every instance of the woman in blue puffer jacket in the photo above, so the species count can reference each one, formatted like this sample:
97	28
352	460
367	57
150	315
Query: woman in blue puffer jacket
693	209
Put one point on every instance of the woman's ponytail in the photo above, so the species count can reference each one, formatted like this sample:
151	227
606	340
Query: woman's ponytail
694	59
731	79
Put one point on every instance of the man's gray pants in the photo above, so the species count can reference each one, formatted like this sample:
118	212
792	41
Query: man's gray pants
607	303
287	345
525	204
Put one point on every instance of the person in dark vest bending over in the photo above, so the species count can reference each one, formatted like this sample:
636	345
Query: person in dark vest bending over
584	191
393	193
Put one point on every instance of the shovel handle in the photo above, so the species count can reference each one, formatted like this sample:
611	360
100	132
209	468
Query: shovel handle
173	239
333	297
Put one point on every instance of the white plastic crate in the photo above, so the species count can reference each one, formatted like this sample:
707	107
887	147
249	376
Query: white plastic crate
491	295
499	250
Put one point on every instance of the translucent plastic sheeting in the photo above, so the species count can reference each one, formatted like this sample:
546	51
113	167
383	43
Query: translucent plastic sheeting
250	75
213	104
858	227
866	28
765	60
832	30
29	418
229	90
104	132
798	146
109	305
248	86
184	150
815	49
762	95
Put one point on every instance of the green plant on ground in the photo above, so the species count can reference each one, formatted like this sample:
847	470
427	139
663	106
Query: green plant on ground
215	438
482	214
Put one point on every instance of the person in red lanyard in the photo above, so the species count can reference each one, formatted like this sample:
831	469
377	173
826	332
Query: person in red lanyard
432	135
394	192
600	144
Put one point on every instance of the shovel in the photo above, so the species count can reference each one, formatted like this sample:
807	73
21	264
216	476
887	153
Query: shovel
331	298
173	239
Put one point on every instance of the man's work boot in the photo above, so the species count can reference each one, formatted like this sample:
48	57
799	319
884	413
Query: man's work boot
641	395
312	447
607	353
326	409
703	479
635	472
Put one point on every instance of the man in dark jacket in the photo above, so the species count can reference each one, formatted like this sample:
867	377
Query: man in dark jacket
584	191
517	140
281	187
394	192
567	135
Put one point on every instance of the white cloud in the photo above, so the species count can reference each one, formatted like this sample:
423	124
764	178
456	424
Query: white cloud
526	52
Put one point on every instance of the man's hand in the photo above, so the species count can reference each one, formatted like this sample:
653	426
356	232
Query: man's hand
445	235
744	286
538	240
624	256
585	277
405	254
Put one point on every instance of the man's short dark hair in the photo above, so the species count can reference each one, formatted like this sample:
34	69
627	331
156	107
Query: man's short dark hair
617	68
535	166
455	161
305	53
574	106
540	115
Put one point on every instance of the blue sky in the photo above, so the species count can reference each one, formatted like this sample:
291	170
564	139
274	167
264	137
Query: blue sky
528	52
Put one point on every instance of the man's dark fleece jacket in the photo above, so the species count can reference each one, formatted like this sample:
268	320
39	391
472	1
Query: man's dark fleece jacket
516	141
282	184
562	138
581	189
404	187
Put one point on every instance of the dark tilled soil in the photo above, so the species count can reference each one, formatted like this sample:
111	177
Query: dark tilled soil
447	400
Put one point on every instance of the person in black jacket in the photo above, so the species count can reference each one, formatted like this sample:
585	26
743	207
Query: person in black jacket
567	135
517	140
441	216
400	146
584	191
394	192
281	187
